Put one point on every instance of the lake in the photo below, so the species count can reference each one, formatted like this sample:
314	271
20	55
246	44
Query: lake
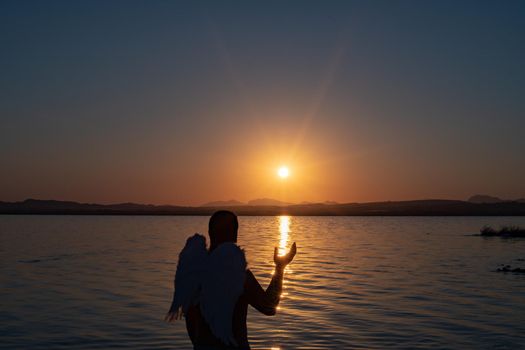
99	282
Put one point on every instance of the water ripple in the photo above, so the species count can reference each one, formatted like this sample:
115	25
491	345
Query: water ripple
73	282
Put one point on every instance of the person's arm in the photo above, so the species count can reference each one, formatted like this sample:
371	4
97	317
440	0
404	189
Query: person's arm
266	301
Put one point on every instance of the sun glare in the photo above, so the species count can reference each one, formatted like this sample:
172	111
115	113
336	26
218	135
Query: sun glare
283	172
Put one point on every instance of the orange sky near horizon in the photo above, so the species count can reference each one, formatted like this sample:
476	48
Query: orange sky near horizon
321	169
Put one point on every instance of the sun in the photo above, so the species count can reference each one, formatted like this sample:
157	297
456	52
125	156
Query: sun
283	172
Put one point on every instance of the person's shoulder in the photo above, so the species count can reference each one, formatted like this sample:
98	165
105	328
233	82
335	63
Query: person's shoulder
251	284
250	278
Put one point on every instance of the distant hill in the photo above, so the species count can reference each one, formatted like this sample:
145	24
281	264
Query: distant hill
402	208
258	202
38	206
482	198
230	203
325	202
268	201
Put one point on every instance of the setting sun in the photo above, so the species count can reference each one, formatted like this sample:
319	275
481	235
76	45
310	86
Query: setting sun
283	172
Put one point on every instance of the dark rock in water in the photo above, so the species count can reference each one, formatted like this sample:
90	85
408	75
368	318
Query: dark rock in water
508	268
32	261
504	231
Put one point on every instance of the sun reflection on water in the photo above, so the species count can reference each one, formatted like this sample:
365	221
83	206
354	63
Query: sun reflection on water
284	230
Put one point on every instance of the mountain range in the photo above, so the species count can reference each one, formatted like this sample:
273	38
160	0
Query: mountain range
483	198
432	207
257	202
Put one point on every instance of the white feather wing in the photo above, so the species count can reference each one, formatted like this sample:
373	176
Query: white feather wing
222	286
190	272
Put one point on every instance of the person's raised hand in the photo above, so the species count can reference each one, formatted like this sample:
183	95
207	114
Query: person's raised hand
282	261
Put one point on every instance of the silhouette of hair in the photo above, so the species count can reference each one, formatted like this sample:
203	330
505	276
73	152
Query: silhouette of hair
223	227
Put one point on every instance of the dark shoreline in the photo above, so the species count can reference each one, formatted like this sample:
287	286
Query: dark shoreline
399	208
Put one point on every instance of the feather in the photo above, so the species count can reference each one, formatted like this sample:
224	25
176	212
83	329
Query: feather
190	271
222	285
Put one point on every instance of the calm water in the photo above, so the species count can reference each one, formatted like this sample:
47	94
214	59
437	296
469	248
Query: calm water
83	282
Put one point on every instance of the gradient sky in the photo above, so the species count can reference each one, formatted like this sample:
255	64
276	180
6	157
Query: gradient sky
188	102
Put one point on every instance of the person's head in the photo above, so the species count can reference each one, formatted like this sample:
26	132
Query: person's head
222	228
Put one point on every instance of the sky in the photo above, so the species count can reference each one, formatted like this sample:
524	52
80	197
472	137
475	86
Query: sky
185	102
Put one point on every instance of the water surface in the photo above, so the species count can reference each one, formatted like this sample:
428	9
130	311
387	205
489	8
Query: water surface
88	282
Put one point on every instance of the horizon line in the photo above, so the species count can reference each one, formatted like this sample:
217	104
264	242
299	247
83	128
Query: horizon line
276	202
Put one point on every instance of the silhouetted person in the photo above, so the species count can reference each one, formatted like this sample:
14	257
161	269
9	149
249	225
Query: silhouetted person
208	293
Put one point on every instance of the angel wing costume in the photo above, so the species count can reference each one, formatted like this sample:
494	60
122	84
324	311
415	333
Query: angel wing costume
214	281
